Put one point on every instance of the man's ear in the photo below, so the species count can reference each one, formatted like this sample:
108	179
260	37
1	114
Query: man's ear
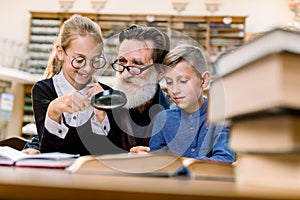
206	76
161	73
59	52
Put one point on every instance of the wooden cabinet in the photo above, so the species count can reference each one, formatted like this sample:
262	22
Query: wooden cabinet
216	34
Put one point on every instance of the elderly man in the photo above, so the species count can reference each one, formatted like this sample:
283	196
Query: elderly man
141	51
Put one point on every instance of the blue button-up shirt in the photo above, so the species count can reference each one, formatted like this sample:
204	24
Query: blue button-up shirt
189	135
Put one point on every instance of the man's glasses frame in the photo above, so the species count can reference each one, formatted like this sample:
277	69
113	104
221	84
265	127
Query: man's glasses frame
134	70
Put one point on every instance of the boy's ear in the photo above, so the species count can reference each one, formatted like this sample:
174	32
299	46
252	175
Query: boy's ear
59	52
206	76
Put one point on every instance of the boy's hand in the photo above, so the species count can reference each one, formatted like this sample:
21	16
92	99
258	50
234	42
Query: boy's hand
140	149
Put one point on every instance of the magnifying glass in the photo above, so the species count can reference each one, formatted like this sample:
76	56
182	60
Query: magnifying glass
108	99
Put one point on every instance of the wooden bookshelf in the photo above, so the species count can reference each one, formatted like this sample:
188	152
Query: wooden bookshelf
224	36
211	32
27	110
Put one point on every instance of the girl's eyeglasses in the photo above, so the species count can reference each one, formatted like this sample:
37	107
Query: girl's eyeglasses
97	62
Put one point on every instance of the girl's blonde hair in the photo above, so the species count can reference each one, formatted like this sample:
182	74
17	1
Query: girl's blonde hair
74	27
196	56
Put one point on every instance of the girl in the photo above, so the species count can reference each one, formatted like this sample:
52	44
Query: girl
65	120
184	130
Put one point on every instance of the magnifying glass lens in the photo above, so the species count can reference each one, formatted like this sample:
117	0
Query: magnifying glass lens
109	99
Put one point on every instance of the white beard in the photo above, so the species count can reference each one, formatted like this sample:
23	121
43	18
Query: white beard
141	93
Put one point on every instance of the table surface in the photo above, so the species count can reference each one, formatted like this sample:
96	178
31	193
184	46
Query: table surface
40	183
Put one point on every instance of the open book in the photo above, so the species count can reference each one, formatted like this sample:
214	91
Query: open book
13	157
152	164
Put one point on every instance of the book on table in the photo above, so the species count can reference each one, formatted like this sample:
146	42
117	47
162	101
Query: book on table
13	157
272	170
260	76
152	164
15	142
272	133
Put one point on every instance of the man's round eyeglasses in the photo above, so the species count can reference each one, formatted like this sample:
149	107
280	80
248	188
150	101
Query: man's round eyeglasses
97	62
134	70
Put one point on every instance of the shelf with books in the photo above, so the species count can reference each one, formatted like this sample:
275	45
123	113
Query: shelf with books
43	33
192	27
28	117
215	33
225	33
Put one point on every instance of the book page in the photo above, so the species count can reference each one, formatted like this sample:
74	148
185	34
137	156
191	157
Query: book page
140	163
52	159
150	164
8	153
51	156
10	156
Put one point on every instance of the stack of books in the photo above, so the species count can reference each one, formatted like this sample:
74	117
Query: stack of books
257	92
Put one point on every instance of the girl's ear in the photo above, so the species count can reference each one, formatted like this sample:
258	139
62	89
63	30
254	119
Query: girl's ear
206	80
59	52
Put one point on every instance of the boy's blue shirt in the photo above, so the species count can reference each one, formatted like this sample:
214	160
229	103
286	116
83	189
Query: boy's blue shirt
190	135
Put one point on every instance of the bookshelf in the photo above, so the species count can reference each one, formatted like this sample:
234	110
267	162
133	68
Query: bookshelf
216	34
43	33
224	33
27	111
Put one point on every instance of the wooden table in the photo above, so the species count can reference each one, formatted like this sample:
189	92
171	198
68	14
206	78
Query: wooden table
38	183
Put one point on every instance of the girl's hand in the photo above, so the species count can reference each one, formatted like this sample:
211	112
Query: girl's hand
71	102
100	115
93	89
31	151
140	149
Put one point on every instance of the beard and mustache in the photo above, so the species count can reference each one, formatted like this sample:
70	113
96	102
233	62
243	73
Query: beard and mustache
137	90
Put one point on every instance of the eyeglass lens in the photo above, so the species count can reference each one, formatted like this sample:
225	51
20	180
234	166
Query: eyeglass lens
130	69
97	62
